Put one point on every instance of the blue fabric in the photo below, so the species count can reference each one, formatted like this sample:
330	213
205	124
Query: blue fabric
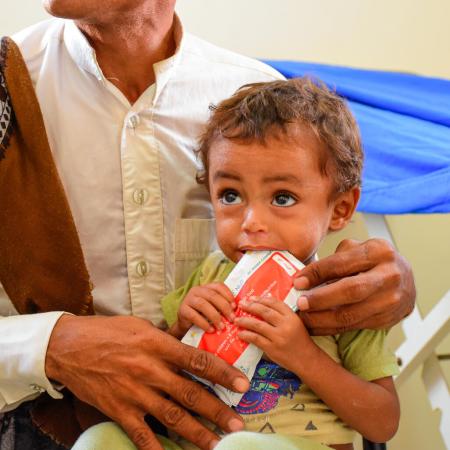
405	127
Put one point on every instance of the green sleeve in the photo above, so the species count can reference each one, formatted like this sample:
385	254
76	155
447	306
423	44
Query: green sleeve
172	301
213	268
365	354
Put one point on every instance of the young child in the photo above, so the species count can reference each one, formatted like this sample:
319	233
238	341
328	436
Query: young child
282	163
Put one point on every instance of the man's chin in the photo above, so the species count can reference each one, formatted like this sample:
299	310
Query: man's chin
67	9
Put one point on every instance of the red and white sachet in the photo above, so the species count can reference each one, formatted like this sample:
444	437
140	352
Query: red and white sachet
258	274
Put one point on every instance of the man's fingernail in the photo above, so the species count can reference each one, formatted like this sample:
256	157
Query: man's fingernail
221	326
213	444
232	317
240	384
235	425
301	283
210	330
303	303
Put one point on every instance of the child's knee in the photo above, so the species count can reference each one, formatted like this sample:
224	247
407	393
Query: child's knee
109	436
104	436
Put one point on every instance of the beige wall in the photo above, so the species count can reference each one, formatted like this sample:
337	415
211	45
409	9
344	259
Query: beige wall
18	14
405	35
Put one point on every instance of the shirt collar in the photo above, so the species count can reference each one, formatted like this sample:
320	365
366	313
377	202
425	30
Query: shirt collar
84	55
80	50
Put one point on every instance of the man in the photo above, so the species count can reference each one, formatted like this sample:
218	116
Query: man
124	94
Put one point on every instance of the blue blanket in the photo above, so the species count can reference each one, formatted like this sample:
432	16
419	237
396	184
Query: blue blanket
405	126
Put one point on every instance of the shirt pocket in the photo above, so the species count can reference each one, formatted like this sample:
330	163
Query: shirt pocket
195	239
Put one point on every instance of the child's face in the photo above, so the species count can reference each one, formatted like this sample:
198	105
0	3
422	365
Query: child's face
274	196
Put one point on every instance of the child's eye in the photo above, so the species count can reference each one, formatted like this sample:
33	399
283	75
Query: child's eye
283	199
230	198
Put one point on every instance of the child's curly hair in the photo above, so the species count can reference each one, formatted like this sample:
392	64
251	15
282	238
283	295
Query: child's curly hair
261	109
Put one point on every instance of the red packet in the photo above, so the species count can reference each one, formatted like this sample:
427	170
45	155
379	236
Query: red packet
258	274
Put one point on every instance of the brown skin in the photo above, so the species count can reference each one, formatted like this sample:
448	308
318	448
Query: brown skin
284	203
126	368
121	31
140	358
204	306
113	357
371	408
371	287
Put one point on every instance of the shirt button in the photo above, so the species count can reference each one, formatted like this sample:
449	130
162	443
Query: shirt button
37	388
142	268
140	196
133	121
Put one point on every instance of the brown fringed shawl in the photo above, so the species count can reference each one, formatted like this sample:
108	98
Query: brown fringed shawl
42	267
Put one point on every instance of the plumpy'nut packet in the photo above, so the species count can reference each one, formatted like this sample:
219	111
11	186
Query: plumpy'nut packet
257	274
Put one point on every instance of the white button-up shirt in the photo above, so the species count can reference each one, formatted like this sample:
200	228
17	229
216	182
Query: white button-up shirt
129	175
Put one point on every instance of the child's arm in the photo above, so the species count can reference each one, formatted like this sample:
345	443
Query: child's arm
204	306
371	408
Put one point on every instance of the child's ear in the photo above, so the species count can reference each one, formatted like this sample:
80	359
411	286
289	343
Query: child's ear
344	207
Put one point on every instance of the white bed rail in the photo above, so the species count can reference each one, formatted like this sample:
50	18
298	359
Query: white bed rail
422	337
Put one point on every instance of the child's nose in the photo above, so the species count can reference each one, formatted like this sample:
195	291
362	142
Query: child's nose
254	220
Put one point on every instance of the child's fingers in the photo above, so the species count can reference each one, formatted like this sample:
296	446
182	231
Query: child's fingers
275	304
264	310
256	326
207	310
221	303
196	318
254	338
223	290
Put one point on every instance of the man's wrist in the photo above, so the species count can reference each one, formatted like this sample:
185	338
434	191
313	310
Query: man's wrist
52	368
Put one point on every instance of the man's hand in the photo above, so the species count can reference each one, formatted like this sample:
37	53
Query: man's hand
126	368
369	286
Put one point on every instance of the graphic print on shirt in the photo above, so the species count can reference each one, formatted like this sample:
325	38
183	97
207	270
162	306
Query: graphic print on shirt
269	383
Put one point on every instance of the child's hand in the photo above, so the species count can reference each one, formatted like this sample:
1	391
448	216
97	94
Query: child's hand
280	334
204	306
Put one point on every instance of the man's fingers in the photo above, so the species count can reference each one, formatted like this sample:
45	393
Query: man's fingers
206	365
372	323
347	290
354	259
194	397
139	432
181	422
347	244
351	316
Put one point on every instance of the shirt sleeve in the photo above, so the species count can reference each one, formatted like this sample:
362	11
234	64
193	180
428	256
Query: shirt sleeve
365	354
213	268
23	346
172	301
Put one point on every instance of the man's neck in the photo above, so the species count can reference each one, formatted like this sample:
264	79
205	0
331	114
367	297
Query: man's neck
127	49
